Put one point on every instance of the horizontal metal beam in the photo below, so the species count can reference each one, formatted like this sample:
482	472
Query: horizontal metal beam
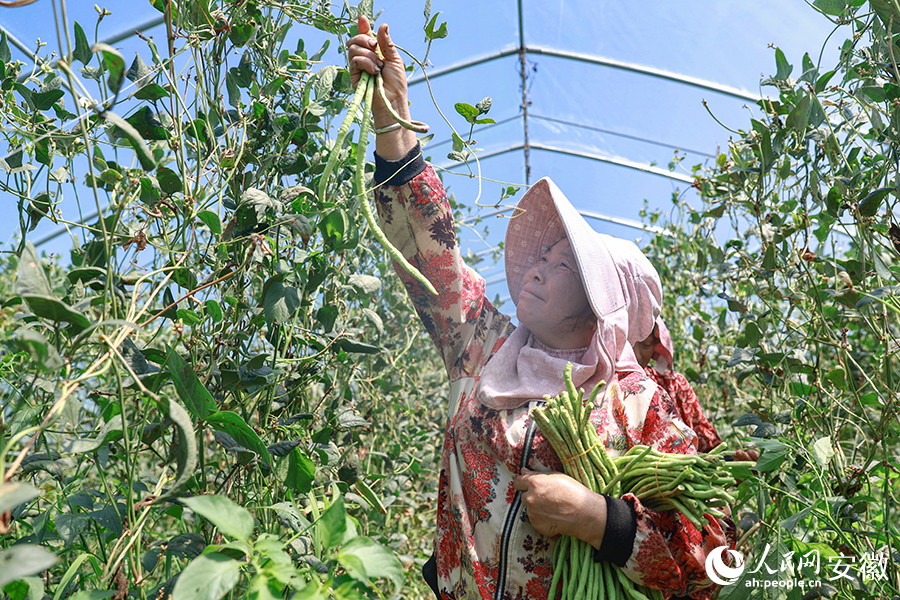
595	60
613	160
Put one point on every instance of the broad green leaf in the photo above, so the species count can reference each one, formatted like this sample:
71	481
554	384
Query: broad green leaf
822	450
197	399
22	560
16	493
152	92
241	33
139	72
31	277
207	577
39	349
214	310
784	68
232	424
115	65
169	181
469	112
110	432
367	560
339	231
433	34
46	100
30	587
147	124
366	284
230	518
144	155
5	54
48	307
211	220
186	449
332	525
280	302
301	472
82	51
869	205
458	144
831	7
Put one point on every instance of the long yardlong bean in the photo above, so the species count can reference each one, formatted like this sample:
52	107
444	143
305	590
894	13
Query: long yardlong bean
365	90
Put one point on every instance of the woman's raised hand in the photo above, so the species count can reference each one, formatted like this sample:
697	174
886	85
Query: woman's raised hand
363	52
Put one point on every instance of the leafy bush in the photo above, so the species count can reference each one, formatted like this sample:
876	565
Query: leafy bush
782	296
194	402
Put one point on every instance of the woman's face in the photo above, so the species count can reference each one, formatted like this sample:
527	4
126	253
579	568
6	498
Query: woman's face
643	350
553	304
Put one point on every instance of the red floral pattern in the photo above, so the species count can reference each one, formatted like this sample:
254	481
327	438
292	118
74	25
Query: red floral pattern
483	448
681	392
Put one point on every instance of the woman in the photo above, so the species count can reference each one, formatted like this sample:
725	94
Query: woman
658	347
502	497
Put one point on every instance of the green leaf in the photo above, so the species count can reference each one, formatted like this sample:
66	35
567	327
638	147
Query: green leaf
92	595
301	472
151	92
469	112
822	450
147	124
235	426
332	525
115	65
869	205
169	182
280	302
207	577
211	220
16	493
366	284
39	349
338	231
48	307
831	7
197	399
230	518
46	100
458	144
185	450
31	276
784	68
23	560
139	72
82	51
5	54
241	33
110	432
214	310
144	155
433	34
367	560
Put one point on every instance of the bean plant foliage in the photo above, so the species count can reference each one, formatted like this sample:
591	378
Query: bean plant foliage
782	298
223	389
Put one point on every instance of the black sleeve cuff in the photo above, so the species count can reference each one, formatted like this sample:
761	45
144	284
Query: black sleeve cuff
399	172
621	528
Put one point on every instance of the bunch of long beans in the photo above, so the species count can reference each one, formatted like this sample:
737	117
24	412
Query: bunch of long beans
365	93
566	423
692	484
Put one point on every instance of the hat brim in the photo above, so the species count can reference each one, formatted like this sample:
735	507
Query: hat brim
543	217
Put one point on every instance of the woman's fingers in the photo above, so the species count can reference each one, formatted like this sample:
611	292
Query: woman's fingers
362	52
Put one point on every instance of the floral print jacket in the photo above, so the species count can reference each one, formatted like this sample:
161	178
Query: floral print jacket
685	399
485	546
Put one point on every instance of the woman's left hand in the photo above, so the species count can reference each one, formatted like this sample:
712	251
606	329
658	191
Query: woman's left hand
558	505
